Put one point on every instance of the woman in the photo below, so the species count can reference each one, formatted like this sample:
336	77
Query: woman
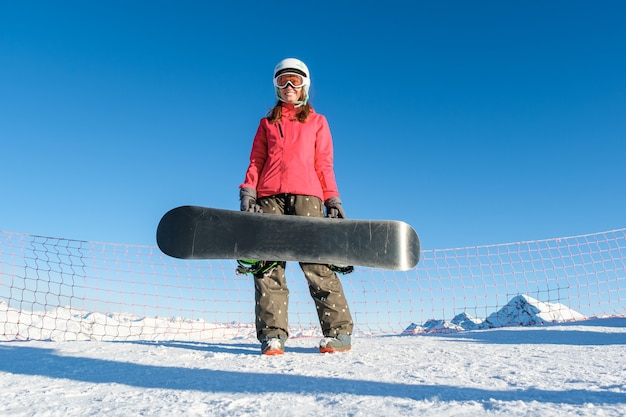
291	172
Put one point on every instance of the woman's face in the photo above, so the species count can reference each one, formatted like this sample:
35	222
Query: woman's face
290	94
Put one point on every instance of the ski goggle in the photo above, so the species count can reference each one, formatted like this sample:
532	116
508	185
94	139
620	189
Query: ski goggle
295	80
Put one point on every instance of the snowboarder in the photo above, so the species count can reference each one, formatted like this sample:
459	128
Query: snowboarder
291	173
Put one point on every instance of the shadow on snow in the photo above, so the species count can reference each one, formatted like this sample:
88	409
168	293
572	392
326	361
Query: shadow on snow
30	361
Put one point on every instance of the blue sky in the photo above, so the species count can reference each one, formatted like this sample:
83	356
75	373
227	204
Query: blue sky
476	122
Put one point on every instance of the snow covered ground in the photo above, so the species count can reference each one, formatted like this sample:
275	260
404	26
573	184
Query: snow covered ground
554	370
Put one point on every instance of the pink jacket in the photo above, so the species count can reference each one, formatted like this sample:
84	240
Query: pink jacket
292	157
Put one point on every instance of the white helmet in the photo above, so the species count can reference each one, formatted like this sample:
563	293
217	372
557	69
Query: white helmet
295	66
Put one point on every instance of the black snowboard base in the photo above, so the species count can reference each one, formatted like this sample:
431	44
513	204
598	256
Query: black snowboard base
192	232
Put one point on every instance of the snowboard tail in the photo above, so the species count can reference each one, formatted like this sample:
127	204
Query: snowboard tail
193	232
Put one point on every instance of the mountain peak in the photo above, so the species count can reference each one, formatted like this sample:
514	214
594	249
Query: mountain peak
524	310
521	310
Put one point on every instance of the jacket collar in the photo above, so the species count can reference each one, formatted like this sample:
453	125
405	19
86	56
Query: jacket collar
289	111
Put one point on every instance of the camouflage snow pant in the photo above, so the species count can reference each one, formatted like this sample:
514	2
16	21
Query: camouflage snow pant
272	294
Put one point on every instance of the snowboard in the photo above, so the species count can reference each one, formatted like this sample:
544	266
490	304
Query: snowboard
193	232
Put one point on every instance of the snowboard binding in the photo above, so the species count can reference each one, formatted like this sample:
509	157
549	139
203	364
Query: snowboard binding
340	269
254	267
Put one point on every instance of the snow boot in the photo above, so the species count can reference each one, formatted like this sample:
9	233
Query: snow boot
273	346
339	343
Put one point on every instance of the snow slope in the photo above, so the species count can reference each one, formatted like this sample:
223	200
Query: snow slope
553	370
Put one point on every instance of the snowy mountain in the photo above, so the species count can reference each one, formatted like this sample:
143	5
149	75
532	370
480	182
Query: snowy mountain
64	323
466	322
526	311
432	326
521	310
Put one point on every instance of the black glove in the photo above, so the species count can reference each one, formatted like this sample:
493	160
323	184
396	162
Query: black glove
247	196
334	209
